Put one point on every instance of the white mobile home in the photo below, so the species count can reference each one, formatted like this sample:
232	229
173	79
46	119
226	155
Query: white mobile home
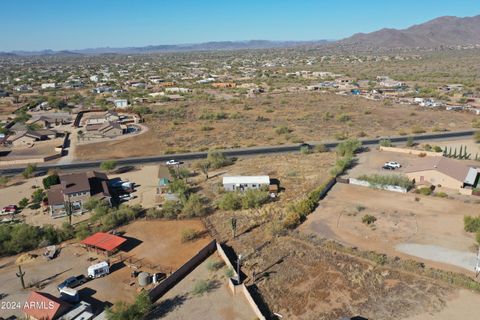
235	183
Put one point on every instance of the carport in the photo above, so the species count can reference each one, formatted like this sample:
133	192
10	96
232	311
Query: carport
103	242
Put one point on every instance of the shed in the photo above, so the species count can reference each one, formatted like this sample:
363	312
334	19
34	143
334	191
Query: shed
104	241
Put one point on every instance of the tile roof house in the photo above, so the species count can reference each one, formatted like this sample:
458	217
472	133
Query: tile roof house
443	171
77	188
44	306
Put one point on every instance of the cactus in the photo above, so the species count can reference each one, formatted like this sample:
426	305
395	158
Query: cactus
20	275
445	151
450	152
460	153
455	154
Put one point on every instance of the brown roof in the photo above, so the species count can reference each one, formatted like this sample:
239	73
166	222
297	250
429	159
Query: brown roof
91	181
449	167
44	306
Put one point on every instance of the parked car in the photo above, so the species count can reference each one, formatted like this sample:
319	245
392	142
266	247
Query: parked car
387	167
126	196
393	164
72	282
10	209
172	162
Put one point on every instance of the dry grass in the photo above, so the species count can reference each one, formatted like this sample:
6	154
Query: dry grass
180	127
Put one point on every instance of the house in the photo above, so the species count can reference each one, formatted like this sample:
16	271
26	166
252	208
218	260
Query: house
77	189
29	137
445	172
224	85
44	306
51	85
111	115
106	129
178	90
120	103
241	183
111	129
102	89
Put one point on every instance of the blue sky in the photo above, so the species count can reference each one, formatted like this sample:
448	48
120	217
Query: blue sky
76	24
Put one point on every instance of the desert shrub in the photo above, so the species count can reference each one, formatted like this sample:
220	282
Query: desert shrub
201	287
341	165
369	219
437	149
476	123
193	207
206	128
305	150
292	220
214	265
426	191
418	129
190	234
422	154
476	136
37	196
321	148
108	165
378	180
477	237
23	203
254	198
230	201
386	143
179	187
4	181
217	159
275	228
229	273
29	171
137	310
471	224
348	147
410	142
282	130
441	194
343	117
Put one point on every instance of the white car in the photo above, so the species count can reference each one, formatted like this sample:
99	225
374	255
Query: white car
393	164
172	163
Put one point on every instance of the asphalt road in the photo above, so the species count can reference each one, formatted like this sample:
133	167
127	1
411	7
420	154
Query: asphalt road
429	137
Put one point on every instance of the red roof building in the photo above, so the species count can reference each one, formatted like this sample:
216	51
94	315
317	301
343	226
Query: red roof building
44	306
104	241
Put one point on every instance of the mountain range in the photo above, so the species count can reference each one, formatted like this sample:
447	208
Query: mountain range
444	31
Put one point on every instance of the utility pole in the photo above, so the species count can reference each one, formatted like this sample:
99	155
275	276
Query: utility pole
20	275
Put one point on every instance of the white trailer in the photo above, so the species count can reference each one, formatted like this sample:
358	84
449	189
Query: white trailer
98	270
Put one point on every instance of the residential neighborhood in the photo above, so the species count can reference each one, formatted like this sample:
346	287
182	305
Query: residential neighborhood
239	160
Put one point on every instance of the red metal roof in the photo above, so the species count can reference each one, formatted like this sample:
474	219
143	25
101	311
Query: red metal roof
104	241
44	306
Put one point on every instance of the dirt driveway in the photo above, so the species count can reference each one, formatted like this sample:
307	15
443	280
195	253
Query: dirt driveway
400	220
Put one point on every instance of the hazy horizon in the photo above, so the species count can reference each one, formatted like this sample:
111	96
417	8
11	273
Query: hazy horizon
60	25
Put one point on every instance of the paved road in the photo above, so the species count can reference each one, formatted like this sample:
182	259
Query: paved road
239	152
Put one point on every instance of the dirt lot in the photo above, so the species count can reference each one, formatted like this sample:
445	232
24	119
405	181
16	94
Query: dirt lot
400	220
297	173
38	150
153	246
307	116
217	304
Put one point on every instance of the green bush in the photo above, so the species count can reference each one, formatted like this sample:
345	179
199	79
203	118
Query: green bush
282	130
378	180
193	207
230	201
217	159
471	224
386	143
201	287
214	265
348	147
190	235
23	203
108	165
321	148
341	165
29	170
50	181
251	198
137	310
369	219
426	191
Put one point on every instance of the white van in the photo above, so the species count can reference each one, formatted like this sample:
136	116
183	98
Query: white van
98	270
